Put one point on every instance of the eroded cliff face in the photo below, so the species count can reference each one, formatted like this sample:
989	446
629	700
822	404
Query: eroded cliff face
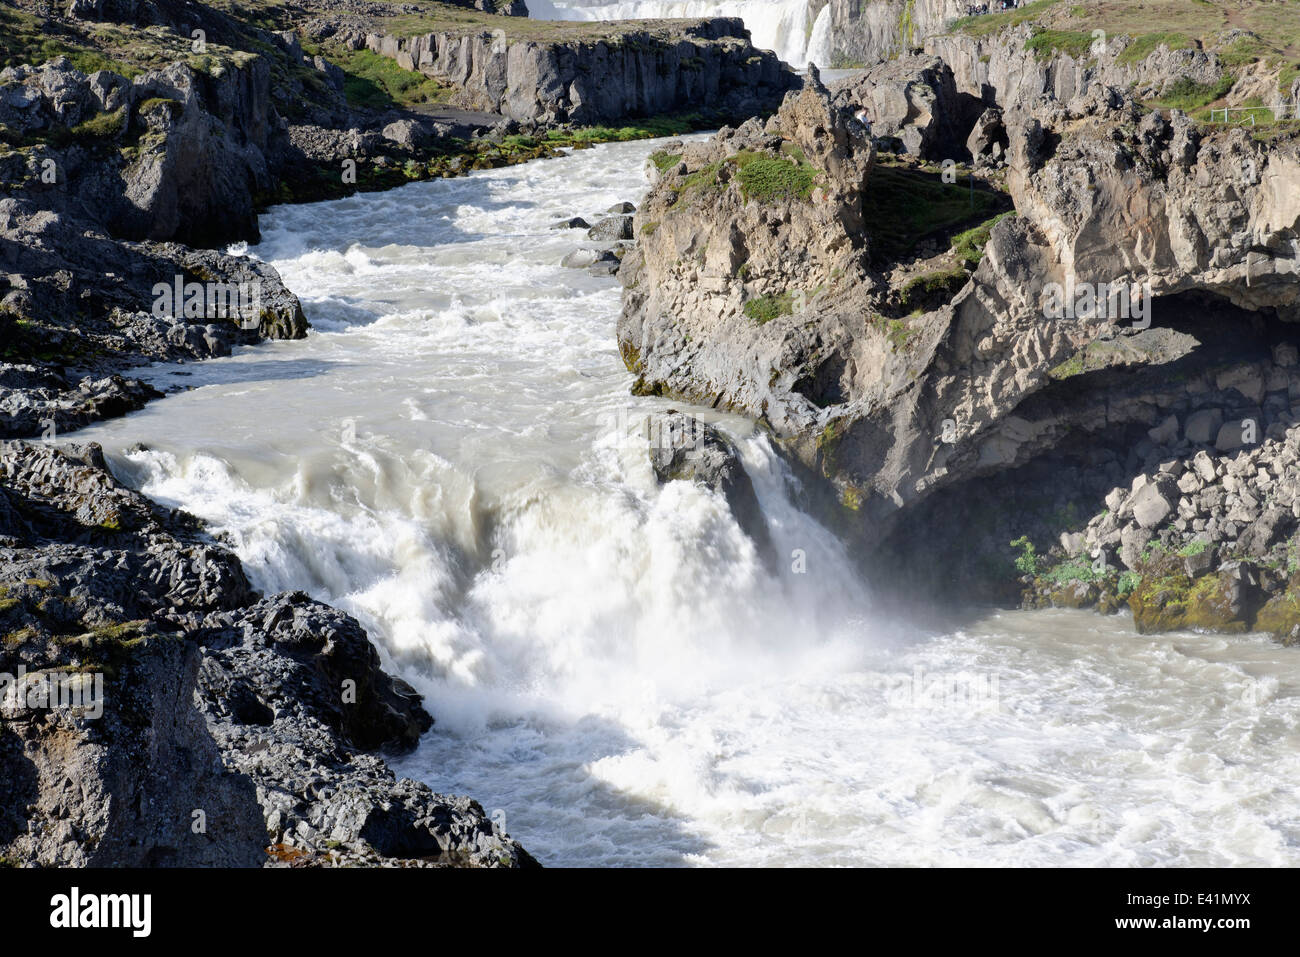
737	233
190	150
1001	68
1178	223
864	32
640	68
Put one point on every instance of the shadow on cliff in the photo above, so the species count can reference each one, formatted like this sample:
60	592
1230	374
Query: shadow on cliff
1107	412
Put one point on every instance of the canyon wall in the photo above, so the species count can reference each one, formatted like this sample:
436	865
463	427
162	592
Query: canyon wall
643	68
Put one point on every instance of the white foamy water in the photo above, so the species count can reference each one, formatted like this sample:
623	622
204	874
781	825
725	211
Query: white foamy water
611	663
786	27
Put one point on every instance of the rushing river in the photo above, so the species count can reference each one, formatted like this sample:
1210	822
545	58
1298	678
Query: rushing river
610	663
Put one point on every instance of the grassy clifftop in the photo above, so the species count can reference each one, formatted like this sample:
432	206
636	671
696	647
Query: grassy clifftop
28	34
1240	32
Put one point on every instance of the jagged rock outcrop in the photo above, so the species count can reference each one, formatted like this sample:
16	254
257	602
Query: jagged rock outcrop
85	307
171	155
154	710
1103	194
913	99
738	233
641	68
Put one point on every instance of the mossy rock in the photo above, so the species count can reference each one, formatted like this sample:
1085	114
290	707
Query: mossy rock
1160	603
1076	594
1171	601
1218	603
1280	615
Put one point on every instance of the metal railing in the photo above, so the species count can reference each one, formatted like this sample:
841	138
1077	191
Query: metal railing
1275	113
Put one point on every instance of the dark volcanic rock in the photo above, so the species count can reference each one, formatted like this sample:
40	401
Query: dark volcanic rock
85	307
223	726
687	449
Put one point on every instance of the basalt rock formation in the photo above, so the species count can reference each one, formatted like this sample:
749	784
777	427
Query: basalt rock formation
736	234
81	308
864	32
156	711
1136	312
634	68
914	100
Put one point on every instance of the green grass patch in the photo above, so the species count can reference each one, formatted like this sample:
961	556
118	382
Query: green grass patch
1044	43
664	160
770	179
649	128
371	81
34	40
969	245
701	181
1187	95
1147	44
903	206
101	126
1242	51
763	309
932	288
990	23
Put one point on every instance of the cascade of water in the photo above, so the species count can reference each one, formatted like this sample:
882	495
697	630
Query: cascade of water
782	26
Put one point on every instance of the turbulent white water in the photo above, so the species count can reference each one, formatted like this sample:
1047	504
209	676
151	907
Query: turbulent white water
785	27
610	663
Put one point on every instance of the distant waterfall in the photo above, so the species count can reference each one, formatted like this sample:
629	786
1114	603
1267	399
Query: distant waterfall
819	40
782	26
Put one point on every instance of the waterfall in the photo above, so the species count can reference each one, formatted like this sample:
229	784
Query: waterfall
782	26
819	41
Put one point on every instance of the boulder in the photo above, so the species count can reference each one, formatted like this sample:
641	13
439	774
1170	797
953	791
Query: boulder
1232	434
988	138
1153	503
1166	433
686	449
1202	427
611	229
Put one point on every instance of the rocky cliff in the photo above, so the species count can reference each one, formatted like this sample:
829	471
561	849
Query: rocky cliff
155	711
865	32
1174	246
620	69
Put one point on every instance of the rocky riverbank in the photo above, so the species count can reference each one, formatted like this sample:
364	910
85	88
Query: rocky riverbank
224	727
157	711
163	124
1105	378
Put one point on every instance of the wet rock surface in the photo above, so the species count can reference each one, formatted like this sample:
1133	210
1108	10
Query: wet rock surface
994	400
686	449
225	729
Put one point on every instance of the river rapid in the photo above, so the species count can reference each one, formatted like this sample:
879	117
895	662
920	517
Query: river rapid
611	665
